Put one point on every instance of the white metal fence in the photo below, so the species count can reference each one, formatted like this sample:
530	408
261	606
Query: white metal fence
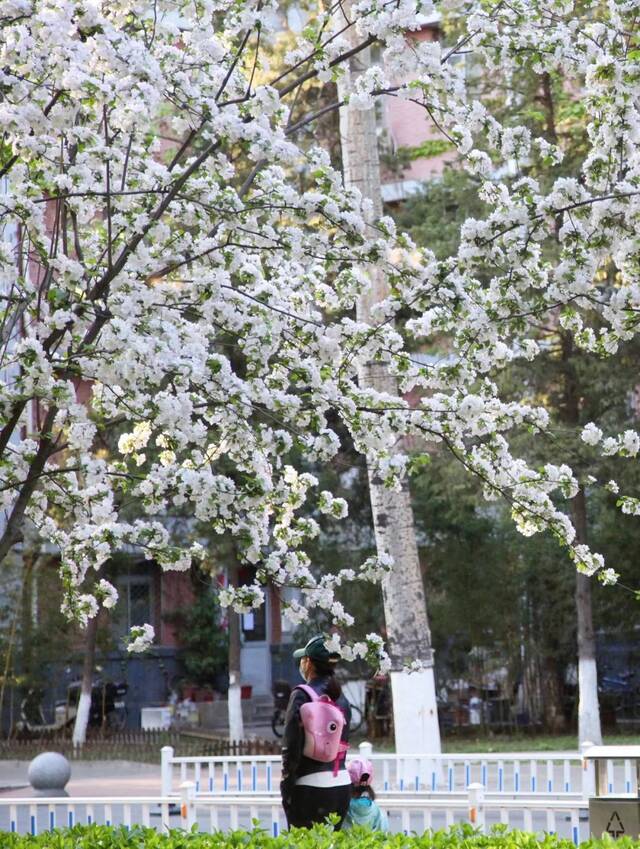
540	792
406	812
562	774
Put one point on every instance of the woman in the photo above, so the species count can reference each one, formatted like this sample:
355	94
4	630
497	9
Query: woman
311	789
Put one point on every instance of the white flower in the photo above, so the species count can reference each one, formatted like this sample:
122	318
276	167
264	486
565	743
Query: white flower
630	443
375	567
591	434
608	577
336	507
137	439
107	593
333	644
140	638
610	446
167	458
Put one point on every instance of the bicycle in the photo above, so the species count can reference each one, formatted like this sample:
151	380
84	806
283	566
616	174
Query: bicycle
277	722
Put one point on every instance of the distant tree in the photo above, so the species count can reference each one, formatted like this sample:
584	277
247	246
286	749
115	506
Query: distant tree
201	633
573	380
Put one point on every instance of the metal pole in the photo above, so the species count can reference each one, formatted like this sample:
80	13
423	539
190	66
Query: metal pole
476	804
166	769
188	805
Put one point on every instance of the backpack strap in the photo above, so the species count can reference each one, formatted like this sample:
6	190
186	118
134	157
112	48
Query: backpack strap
309	691
342	752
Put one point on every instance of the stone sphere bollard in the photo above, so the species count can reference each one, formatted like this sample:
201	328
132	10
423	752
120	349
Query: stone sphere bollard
48	774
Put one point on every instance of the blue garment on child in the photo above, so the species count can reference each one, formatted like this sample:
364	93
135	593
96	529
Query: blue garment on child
365	812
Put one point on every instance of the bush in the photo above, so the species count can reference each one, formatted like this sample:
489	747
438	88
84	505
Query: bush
321	837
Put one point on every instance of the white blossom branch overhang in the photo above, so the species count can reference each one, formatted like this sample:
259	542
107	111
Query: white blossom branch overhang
99	290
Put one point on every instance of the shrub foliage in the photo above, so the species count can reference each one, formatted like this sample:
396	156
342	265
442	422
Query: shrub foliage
320	837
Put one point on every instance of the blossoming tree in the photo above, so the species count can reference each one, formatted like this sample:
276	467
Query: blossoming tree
164	272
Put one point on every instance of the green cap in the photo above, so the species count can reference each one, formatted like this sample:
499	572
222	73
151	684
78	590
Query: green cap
316	650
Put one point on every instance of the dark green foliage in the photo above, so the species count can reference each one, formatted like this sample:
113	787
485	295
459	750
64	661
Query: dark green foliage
203	640
492	593
434	217
320	837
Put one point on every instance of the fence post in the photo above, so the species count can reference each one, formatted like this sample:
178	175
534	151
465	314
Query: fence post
475	792
366	749
166	770
588	772
188	805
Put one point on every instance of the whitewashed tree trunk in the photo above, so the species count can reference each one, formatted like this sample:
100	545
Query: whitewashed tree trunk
234	695
414	696
84	703
236	724
82	719
588	706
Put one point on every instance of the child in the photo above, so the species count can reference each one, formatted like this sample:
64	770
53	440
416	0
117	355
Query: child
363	810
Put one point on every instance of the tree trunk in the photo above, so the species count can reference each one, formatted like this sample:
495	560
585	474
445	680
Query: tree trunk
414	694
27	614
8	659
84	702
588	707
236	726
554	718
544	647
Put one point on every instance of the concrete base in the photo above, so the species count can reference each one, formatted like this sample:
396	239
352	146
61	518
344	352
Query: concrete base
415	713
49	774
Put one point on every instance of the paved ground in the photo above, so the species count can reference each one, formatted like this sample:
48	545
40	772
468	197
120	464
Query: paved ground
88	778
103	778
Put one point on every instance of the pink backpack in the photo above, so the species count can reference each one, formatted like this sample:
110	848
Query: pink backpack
323	722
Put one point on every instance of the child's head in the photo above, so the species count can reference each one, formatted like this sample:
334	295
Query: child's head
361	774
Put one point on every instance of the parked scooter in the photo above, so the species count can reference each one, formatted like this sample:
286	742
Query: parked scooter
107	711
108	708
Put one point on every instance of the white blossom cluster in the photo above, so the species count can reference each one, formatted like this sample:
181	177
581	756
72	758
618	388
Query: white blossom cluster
140	638
370	649
156	248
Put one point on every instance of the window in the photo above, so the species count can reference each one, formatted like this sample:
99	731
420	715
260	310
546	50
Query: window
254	624
135	605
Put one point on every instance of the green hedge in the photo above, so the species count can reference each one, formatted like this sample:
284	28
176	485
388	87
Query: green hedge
321	837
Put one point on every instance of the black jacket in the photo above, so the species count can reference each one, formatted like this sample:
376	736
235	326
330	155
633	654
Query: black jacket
294	763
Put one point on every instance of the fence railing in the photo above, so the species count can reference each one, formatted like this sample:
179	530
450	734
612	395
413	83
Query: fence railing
139	744
561	774
406	812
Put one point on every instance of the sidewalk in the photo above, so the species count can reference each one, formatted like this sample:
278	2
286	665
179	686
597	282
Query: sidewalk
108	777
88	778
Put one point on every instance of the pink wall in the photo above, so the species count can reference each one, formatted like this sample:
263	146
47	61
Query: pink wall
175	591
408	125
